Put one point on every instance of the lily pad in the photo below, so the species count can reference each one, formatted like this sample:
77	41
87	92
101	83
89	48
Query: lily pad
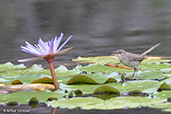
113	103
24	97
16	82
102	68
146	86
163	94
106	89
164	86
110	80
45	80
28	87
81	79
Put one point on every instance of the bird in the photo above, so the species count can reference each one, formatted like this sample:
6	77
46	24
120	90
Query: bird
132	60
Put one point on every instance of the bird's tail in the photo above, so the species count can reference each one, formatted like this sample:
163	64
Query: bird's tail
149	50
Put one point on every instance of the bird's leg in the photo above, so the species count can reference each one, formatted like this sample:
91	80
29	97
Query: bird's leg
133	75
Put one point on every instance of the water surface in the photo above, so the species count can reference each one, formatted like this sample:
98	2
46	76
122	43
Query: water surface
98	27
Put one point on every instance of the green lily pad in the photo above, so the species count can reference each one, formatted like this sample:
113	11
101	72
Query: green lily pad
98	60
102	68
24	97
16	82
81	79
163	94
146	86
164	86
45	80
106	89
151	74
113	103
9	66
110	80
165	106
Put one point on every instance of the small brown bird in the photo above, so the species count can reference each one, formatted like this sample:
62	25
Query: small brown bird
132	60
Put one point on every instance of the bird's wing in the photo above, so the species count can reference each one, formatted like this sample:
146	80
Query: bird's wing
135	57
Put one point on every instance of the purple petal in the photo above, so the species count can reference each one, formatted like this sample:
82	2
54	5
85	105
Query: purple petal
63	51
56	44
32	48
51	46
64	43
27	50
29	59
43	46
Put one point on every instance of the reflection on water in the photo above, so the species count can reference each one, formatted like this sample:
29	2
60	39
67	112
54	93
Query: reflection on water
98	27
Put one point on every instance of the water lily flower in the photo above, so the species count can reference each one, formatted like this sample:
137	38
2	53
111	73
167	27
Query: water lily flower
47	51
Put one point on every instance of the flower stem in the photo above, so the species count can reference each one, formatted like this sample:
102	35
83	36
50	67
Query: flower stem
53	75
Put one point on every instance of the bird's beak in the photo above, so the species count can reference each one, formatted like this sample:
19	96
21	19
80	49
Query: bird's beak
115	53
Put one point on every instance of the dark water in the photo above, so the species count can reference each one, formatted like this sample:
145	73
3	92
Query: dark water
98	26
42	109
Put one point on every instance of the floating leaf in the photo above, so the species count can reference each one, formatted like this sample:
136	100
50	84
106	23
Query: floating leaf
165	106
81	79
118	66
34	102
78	93
136	93
150	74
16	82
24	97
110	80
101	68
44	80
146	86
106	92
75	102
27	87
106	89
12	103
52	98
163	94
113	103
99	59
164	86
1	85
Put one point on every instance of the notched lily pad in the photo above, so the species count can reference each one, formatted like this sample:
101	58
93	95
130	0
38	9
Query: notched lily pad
45	80
81	79
110	80
16	82
164	86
